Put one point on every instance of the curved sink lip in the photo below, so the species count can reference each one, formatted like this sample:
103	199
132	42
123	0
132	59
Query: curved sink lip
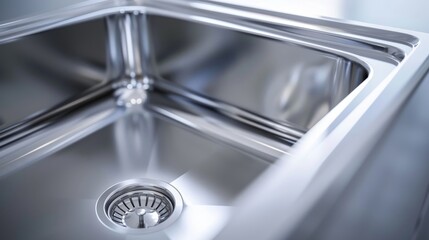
236	18
213	13
371	106
328	156
233	17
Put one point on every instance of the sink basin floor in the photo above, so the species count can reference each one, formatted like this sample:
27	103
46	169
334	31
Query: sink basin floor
55	198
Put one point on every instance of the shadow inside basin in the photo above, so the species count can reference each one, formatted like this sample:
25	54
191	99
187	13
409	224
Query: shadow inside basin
43	70
282	81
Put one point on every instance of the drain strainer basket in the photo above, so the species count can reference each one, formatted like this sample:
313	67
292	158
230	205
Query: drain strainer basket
139	206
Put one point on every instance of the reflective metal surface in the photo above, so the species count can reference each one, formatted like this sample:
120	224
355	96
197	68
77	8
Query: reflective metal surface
66	185
282	82
139	206
41	71
202	96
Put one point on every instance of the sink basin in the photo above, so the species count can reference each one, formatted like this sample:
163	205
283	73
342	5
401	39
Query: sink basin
65	186
284	88
199	97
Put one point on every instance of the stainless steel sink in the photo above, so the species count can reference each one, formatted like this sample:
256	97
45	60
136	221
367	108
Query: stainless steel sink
198	96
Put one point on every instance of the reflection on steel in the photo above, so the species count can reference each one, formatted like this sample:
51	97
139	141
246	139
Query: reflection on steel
134	138
39	121
139	206
139	79
239	128
57	135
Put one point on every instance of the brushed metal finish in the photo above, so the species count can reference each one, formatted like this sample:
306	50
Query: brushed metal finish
200	95
139	206
66	185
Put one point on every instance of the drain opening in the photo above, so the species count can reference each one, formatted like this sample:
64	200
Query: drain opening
141	209
139	206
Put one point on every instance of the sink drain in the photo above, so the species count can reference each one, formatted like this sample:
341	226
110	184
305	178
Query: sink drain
139	206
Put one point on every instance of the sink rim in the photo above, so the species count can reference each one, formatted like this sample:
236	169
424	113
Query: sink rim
203	12
371	106
411	44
